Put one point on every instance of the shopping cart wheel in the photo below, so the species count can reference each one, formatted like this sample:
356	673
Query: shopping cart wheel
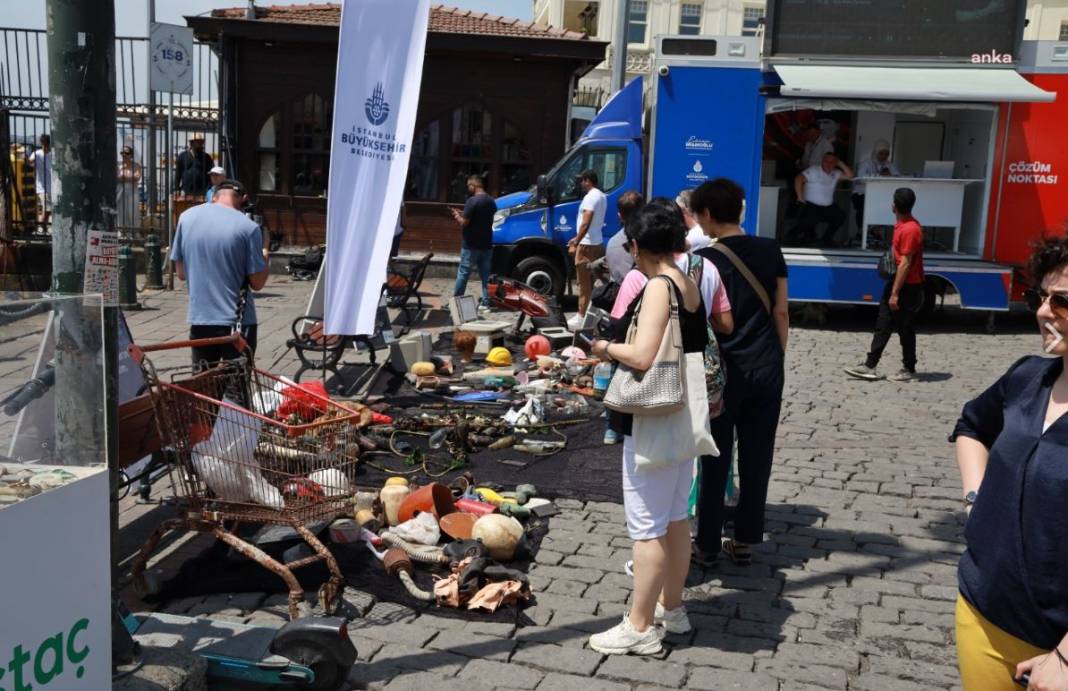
328	597
147	584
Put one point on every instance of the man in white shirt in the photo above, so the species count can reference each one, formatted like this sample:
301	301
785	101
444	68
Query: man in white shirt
815	192
588	244
695	235
41	162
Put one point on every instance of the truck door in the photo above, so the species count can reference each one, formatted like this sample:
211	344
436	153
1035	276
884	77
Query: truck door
609	160
708	122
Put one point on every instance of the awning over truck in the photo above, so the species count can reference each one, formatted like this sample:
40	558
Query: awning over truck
908	83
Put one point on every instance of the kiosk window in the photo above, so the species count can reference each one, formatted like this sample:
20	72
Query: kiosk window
751	20
690	19
639	16
1064	32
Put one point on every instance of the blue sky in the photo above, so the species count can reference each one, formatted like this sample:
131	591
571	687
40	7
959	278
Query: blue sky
131	15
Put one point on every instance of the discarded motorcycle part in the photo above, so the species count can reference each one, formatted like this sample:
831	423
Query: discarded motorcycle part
364	501
345	531
464	343
499	357
515	510
544	510
473	506
499	533
457	551
421	530
491	497
423	369
437	439
368	521
479	440
420	553
443	364
332	481
526	492
435	498
396	560
537	345
573	353
502	443
458	525
392	496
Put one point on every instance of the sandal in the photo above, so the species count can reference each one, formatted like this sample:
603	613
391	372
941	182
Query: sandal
738	552
702	558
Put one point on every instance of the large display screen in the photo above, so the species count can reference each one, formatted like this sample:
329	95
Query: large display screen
960	29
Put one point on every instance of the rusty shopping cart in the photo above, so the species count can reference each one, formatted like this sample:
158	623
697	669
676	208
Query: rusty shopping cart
249	447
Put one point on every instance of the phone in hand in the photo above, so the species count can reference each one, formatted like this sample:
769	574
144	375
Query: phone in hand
1024	680
584	340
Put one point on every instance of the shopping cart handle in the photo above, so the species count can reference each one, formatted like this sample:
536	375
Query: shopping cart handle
137	352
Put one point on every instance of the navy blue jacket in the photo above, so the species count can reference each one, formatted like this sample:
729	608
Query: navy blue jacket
1015	569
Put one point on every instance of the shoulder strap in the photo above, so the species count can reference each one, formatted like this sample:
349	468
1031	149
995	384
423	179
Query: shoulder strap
744	270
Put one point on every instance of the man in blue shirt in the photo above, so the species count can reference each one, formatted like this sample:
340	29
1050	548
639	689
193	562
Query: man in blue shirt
217	251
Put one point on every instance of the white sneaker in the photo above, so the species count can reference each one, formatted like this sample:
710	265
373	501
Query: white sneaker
673	620
622	639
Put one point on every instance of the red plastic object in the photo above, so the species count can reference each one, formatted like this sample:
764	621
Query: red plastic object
537	345
380	419
514	296
435	498
306	400
474	506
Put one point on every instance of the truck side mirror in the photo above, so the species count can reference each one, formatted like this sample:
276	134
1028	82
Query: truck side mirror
545	190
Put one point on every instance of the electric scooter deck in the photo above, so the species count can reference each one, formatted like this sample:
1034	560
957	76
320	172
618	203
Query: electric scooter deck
314	652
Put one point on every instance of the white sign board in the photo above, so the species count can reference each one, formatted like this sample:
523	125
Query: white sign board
172	59
55	588
102	266
379	70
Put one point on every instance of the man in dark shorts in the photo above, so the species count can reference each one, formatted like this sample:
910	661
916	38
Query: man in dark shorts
476	220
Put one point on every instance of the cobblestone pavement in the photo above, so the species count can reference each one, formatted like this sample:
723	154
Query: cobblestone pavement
853	588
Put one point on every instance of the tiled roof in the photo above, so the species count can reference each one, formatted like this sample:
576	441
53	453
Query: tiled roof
447	20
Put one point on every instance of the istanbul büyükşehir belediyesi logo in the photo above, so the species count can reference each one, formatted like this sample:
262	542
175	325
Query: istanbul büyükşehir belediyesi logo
375	107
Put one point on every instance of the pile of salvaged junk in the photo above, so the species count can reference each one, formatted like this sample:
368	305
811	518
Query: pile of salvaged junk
469	533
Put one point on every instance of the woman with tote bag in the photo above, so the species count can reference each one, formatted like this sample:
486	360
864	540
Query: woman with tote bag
660	380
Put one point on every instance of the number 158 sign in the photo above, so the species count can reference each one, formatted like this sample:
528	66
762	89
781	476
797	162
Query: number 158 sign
172	58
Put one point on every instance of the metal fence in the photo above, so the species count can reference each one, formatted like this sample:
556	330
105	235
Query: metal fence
140	124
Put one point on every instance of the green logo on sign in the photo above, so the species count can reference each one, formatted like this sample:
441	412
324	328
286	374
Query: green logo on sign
48	662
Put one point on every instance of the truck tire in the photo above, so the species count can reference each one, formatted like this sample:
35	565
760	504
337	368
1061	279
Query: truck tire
541	274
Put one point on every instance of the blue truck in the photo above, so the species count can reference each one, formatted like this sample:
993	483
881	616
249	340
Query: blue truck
715	107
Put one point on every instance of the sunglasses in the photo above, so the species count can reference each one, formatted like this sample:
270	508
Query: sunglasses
1058	302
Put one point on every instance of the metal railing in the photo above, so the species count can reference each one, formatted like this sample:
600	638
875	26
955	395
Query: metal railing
140	124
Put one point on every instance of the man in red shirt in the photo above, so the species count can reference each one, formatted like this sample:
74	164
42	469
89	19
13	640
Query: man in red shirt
902	297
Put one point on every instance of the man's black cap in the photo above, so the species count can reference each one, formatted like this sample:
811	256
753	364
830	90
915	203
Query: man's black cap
231	185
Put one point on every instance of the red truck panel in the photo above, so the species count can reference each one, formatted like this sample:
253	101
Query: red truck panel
1030	174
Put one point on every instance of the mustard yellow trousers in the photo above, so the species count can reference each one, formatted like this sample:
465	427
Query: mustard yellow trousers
987	656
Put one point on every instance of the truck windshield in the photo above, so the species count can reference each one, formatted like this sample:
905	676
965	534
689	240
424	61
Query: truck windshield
610	164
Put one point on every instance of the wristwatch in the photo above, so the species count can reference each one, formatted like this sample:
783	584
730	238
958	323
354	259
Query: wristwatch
970	497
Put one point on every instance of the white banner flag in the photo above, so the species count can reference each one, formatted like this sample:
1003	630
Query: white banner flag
379	67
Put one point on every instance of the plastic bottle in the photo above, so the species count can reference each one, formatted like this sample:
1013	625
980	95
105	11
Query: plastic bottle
602	375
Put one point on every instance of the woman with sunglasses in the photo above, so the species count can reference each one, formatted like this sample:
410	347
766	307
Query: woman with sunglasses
1012	450
128	202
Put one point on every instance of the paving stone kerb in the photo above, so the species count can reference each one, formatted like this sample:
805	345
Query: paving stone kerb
853	589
